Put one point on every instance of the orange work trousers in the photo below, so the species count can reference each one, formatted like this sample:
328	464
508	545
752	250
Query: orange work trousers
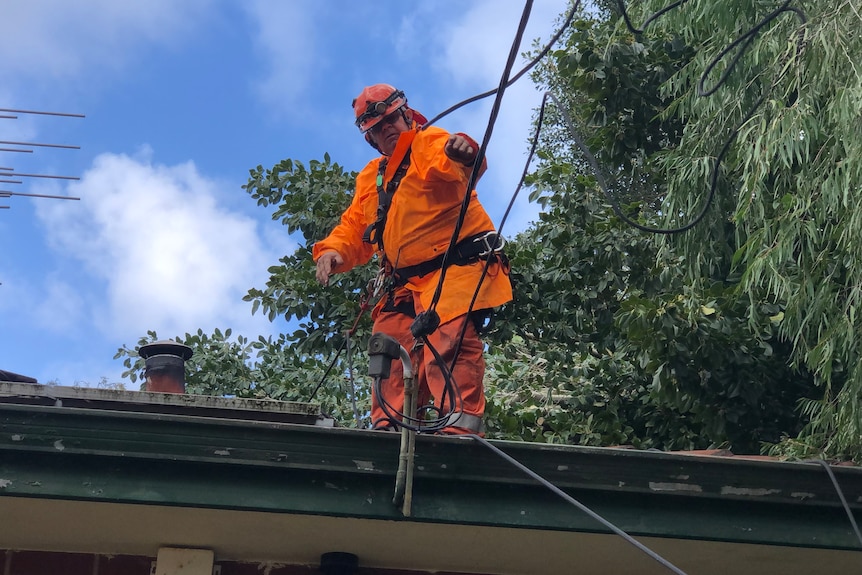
468	372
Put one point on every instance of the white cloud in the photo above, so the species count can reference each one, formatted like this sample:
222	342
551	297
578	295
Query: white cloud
472	53
285	37
168	256
56	39
474	48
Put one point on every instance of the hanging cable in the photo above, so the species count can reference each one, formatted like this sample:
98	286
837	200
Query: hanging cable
419	422
373	291
743	42
535	141
427	321
652	554
328	369
622	8
603	184
542	53
844	504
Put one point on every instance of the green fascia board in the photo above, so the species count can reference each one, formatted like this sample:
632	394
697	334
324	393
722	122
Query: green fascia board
183	460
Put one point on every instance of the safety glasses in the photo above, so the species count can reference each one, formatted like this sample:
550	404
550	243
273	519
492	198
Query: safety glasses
384	121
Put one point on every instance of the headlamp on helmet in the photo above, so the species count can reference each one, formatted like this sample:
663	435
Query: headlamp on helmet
374	103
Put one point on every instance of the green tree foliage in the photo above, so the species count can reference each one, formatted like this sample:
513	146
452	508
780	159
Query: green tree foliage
633	349
757	303
787	205
309	201
738	332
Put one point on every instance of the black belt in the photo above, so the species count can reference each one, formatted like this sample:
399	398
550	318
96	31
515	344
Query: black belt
474	248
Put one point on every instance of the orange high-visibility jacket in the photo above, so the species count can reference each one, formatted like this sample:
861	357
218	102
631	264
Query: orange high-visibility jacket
419	225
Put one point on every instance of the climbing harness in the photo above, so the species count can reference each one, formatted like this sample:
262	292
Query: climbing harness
374	233
482	246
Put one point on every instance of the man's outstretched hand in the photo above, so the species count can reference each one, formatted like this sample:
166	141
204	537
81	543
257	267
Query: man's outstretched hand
460	149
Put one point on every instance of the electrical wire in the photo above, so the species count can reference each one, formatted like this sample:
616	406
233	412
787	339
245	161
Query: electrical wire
417	422
480	154
328	369
622	8
366	303
828	469
502	224
542	53
631	540
625	535
743	42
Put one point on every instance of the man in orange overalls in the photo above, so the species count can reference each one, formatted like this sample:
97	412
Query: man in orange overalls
405	208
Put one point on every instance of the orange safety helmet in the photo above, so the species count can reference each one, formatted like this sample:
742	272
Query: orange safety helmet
375	102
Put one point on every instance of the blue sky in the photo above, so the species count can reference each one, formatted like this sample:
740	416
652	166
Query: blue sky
181	99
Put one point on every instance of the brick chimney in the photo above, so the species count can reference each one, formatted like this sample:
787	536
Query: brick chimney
165	366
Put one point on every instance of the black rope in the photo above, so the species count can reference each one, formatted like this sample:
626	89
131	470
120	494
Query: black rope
744	42
844	504
533	146
652	554
366	303
416	422
480	155
328	369
568	20
622	7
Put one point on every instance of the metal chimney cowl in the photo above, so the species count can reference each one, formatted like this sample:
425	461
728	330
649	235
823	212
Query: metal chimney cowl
165	362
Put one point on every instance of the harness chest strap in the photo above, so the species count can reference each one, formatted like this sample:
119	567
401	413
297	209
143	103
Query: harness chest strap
391	177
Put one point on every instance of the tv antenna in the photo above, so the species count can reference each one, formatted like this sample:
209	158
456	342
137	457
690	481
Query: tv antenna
9	175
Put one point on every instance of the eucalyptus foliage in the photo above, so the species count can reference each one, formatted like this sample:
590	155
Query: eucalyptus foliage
789	204
640	341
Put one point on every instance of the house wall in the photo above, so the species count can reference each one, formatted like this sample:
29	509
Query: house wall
53	563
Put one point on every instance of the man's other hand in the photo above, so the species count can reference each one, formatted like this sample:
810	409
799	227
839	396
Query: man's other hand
327	262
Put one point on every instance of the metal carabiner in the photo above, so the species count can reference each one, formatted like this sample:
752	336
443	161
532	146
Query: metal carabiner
486	239
377	283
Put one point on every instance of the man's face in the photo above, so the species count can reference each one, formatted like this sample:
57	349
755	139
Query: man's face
385	133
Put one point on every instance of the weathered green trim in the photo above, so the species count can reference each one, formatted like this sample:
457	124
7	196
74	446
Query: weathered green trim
146	458
161	403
